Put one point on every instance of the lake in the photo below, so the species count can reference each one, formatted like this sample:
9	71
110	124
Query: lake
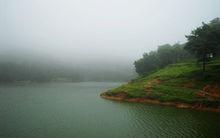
68	110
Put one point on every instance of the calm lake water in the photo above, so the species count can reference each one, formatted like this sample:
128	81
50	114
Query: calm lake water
67	110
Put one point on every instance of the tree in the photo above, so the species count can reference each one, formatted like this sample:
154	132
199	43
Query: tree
165	55
148	63
204	41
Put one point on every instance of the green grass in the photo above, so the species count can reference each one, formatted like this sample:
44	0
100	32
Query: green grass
132	89
173	80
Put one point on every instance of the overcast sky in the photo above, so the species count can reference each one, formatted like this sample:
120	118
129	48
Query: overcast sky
99	29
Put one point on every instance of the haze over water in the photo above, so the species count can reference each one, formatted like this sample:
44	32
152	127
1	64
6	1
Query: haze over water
57	56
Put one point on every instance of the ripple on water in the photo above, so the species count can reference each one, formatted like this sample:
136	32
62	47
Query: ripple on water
157	121
76	110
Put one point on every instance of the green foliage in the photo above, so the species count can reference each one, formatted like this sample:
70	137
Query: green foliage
176	70
172	93
204	41
133	89
178	82
165	55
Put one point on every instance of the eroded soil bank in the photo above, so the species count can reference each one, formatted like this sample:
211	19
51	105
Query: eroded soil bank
123	97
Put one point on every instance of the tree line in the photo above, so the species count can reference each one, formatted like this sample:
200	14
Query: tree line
12	71
165	54
203	43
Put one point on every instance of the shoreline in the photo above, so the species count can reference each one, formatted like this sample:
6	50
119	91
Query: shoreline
157	102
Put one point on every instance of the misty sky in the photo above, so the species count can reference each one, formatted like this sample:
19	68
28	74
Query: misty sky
98	29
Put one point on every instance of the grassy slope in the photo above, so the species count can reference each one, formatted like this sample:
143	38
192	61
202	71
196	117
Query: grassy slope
178	82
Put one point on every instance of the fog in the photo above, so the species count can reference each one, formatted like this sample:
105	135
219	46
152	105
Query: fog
96	34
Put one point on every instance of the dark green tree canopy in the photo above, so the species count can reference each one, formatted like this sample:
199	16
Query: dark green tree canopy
166	54
205	40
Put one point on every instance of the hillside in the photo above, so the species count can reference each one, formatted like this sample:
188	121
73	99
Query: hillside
182	85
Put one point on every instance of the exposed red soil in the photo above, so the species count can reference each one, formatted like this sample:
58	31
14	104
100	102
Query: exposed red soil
210	92
150	84
197	106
